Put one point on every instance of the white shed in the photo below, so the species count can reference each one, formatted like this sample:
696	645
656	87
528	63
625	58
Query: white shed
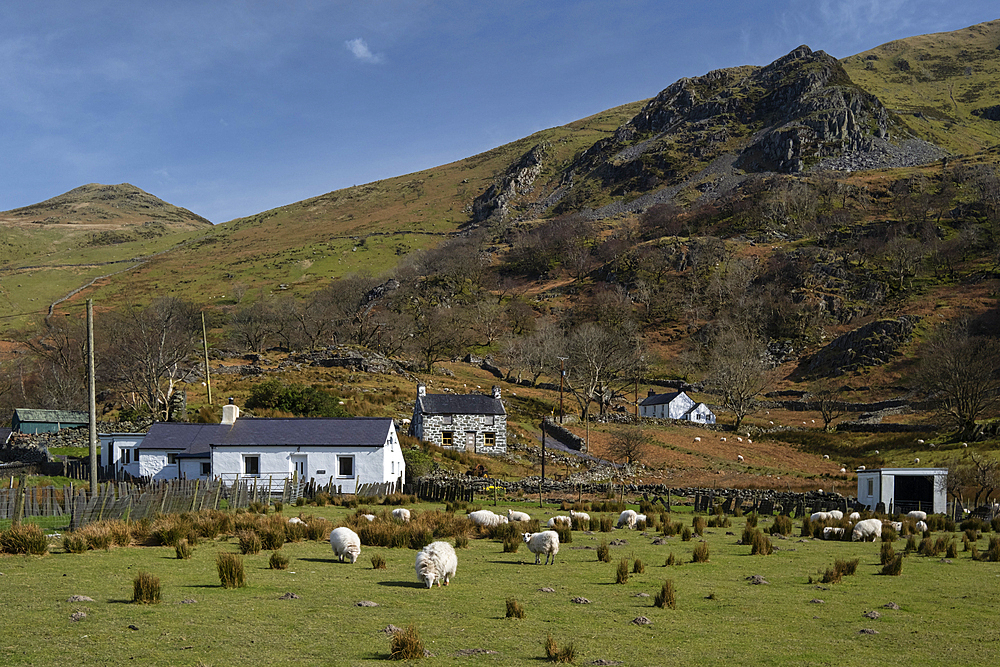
904	489
120	449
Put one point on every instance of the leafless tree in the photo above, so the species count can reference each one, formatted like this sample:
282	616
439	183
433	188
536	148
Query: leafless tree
738	372
826	396
601	362
439	333
976	474
628	445
251	326
903	255
59	376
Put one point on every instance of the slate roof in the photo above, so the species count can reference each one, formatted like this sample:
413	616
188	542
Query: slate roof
660	399
198	439
52	416
463	404
4	435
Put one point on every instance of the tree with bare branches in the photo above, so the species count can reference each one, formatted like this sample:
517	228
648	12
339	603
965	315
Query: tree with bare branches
738	371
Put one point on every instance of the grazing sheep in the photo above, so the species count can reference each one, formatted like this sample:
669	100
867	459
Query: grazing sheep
862	468
697	439
896	525
370	517
296	519
749	441
836	515
868	530
920	442
582	516
832	533
739	439
486	518
560	519
819	516
722	439
854	516
627	518
843	470
545	542
401	514
916	461
921	526
826	457
436	562
876	451
345	542
739	458
917	515
513	515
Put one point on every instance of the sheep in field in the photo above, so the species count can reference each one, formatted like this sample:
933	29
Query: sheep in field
832	533
345	542
820	516
921	526
582	516
565	520
896	525
917	515
739	458
486	518
401	514
545	542
436	562
513	515
836	515
868	530
854	516
640	517
296	519
627	518
370	517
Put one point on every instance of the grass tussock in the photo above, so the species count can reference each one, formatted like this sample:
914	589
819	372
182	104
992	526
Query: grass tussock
278	561
887	553
700	553
511	543
666	598
146	589
183	549
841	568
406	644
698	524
670	561
621	573
378	562
638	567
782	525
760	544
231	573
250	542
604	552
25	538
894	567
553	653
514	609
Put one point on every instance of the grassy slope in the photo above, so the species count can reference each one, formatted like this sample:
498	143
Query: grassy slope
944	616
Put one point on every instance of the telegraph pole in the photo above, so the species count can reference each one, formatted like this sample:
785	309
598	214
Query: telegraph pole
204	339
562	376
92	396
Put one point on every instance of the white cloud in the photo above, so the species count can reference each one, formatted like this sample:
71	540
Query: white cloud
361	51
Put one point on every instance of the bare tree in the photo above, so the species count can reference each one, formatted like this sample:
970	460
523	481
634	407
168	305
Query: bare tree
738	371
962	372
827	398
976	474
602	361
252	325
59	377
439	333
628	445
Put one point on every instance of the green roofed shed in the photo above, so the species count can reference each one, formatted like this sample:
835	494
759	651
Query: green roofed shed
30	420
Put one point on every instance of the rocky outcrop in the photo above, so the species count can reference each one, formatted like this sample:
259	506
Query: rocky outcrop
518	180
988	113
871	345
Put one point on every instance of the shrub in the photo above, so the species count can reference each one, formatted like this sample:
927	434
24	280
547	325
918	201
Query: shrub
894	567
322	499
378	562
514	609
74	543
146	589
808	528
911	544
318	529
973	523
667	529
927	547
686	534
300	501
671	560
231	572
638	567
249	542
752	519
257	507
952	551
554	654
621	574
278	506
666	599
760	544
183	549
887	553
698	524
889	534
121	533
832	576
993	552
278	561
25	538
603	552
782	525
848	567
462	542
971	534
294	532
512	543
272	537
406	644
565	533
700	554
747	535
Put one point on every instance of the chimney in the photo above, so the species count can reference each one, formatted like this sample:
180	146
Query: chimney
421	389
496	391
652	393
230	413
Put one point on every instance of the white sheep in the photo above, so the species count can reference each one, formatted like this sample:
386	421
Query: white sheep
836	515
582	516
739	458
722	439
819	516
565	520
486	518
876	451
345	542
916	461
921	526
513	515
369	517
640	517
843	470
697	439
826	457
436	562
920	442
545	542
862	468
896	525
868	530
739	439
833	533
917	515
854	516
296	519
401	514
749	441
627	518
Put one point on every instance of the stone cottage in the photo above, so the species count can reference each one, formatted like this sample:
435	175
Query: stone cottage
464	422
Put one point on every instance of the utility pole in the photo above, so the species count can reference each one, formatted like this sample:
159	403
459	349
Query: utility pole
92	396
204	338
543	449
562	376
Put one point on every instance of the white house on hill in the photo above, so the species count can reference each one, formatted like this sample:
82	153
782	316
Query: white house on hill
344	452
676	405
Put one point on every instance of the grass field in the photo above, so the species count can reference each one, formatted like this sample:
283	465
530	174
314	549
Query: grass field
946	609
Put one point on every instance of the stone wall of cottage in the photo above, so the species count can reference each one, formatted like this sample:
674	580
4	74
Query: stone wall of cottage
434	425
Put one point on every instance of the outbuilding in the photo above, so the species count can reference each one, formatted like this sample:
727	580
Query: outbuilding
904	489
32	420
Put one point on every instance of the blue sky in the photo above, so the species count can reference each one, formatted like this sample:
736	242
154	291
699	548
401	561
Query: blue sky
230	108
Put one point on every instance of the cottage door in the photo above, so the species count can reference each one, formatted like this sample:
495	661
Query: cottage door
470	441
299	466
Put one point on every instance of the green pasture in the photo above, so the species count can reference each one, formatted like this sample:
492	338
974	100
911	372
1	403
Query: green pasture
946	611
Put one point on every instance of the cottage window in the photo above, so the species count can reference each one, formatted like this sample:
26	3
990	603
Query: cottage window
345	466
445	419
206	469
488	420
126	456
171	459
251	465
447	438
490	439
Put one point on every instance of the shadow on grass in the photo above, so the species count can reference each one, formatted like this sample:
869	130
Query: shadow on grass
403	584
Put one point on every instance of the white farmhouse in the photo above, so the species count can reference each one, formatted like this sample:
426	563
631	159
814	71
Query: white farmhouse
464	422
344	452
120	450
675	405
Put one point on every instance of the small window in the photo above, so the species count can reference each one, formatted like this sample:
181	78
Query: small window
445	419
171	459
126	456
490	439
206	469
447	439
251	465
488	420
871	487
345	466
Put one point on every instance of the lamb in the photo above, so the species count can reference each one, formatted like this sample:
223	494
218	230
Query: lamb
868	530
628	518
921	526
345	542
513	515
836	515
560	519
896	525
582	516
916	461
917	515
832	533
697	439
435	562
820	516
854	516
401	514
296	519
545	542
486	518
